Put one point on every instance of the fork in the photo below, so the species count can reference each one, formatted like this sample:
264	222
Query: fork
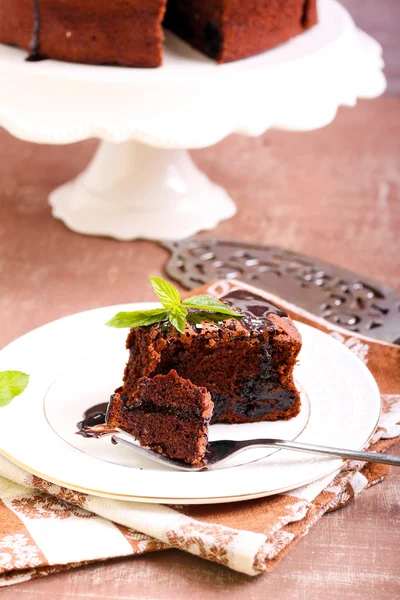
220	451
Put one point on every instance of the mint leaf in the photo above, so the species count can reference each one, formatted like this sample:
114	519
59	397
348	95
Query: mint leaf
198	317
138	318
168	294
207	309
209	303
12	383
178	318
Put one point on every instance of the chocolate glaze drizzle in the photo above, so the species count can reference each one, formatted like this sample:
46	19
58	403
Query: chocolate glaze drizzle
93	424
255	309
35	42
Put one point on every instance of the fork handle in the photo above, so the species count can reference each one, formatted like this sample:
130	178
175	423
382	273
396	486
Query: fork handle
387	459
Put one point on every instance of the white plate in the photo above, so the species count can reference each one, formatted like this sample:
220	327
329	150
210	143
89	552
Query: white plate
77	362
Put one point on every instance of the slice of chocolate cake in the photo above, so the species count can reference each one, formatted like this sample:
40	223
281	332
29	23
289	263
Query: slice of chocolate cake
167	413
246	365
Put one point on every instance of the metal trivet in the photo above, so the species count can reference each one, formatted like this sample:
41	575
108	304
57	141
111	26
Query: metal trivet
339	296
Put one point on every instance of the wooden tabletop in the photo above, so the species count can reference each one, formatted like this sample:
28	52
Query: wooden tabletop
333	193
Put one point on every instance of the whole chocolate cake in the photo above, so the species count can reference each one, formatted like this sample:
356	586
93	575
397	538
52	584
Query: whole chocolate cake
129	32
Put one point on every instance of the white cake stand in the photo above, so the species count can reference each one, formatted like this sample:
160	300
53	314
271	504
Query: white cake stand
141	181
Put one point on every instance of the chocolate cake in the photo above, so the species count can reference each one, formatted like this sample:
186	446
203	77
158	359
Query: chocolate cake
129	32
246	365
122	32
167	413
229	30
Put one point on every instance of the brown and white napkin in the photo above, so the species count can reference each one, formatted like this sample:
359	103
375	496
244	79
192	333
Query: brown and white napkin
45	528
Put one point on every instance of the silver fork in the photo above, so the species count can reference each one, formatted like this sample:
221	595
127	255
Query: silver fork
219	452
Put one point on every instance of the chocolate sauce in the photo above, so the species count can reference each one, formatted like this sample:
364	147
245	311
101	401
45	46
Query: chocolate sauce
256	309
93	424
35	42
147	406
263	392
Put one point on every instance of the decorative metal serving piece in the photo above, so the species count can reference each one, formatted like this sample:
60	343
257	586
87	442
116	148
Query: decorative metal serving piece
335	294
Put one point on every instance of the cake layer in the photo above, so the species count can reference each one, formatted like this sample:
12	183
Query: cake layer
125	32
168	414
247	366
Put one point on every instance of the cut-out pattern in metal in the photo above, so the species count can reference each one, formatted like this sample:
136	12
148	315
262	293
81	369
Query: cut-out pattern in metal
327	291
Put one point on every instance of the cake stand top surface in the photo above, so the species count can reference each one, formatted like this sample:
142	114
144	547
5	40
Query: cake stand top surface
191	101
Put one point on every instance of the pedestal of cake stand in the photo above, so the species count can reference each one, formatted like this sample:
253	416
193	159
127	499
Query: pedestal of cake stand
132	190
142	182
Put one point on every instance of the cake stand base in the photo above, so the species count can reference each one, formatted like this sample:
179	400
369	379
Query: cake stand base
131	190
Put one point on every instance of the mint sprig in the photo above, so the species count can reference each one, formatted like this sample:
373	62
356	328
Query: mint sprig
174	310
12	383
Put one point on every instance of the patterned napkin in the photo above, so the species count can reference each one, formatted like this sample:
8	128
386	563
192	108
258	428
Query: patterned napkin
45	528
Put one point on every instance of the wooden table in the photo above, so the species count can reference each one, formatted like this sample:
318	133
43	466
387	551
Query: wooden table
332	193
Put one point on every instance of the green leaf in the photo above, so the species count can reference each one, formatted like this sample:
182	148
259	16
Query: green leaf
200	317
12	383
138	318
210	303
207	307
178	318
168	294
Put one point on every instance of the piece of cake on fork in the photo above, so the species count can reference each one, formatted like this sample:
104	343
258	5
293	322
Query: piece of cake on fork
166	413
